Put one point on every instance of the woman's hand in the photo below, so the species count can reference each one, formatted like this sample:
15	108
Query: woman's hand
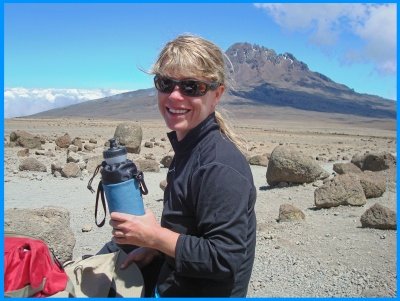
141	256
143	231
134	229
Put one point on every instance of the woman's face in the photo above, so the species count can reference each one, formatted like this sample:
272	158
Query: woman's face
183	113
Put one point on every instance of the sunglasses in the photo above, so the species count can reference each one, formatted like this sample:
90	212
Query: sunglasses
188	87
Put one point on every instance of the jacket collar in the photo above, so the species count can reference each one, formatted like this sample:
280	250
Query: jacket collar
194	136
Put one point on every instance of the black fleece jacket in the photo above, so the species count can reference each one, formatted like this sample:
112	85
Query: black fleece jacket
209	200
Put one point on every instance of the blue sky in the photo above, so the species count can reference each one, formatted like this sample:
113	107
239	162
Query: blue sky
59	54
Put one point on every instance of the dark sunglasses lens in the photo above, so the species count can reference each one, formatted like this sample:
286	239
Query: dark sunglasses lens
164	85
202	88
189	87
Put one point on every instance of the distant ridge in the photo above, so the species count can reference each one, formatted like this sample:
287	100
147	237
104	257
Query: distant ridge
262	80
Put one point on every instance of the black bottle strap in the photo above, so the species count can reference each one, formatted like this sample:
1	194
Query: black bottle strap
100	192
89	186
140	177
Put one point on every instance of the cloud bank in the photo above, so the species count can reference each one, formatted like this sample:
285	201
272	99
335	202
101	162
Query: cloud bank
375	25
22	102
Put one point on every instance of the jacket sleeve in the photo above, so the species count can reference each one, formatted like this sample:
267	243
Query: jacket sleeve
220	197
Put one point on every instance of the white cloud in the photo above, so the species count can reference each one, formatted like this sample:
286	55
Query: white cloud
327	24
21	101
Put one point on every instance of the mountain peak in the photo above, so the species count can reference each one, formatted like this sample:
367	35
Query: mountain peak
254	65
257	56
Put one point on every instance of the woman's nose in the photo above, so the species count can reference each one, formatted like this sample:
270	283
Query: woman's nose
176	94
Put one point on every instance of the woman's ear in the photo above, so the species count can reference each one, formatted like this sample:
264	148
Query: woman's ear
218	94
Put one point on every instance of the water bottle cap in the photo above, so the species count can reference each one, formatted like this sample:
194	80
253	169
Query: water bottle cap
115	150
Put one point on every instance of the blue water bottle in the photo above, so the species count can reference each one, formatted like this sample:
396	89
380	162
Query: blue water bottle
121	182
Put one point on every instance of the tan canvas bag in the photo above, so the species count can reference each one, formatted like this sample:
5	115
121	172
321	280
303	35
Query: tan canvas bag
101	276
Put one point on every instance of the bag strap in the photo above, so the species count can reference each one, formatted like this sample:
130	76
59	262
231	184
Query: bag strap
100	192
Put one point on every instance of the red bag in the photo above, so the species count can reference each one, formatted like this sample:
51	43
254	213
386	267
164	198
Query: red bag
30	269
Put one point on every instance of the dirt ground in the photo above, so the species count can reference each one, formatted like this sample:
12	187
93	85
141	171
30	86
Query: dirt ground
327	255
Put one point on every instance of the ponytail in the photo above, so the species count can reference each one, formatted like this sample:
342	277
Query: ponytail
226	129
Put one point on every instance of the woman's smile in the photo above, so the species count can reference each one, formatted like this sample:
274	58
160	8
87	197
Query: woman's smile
177	111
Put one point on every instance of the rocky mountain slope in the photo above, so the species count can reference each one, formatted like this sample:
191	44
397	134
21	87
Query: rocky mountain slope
281	80
261	81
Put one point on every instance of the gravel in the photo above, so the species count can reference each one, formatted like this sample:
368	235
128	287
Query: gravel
327	255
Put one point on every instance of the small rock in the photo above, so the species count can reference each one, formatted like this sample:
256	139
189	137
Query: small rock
73	148
260	160
149	156
89	147
163	184
148	165
87	228
71	170
289	213
148	144
23	152
166	161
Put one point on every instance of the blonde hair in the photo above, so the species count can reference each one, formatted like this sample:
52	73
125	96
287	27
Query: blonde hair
193	56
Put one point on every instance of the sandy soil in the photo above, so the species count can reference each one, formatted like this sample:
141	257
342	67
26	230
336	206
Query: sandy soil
328	254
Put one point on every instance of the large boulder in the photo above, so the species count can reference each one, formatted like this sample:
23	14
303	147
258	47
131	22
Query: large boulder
379	161
25	139
130	135
342	168
379	217
341	190
32	164
374	161
358	160
63	141
373	184
291	166
50	224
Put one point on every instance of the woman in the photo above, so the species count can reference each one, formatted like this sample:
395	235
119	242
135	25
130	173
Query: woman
207	235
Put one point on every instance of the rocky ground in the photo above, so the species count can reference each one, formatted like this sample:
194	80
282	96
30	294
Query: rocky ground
328	254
